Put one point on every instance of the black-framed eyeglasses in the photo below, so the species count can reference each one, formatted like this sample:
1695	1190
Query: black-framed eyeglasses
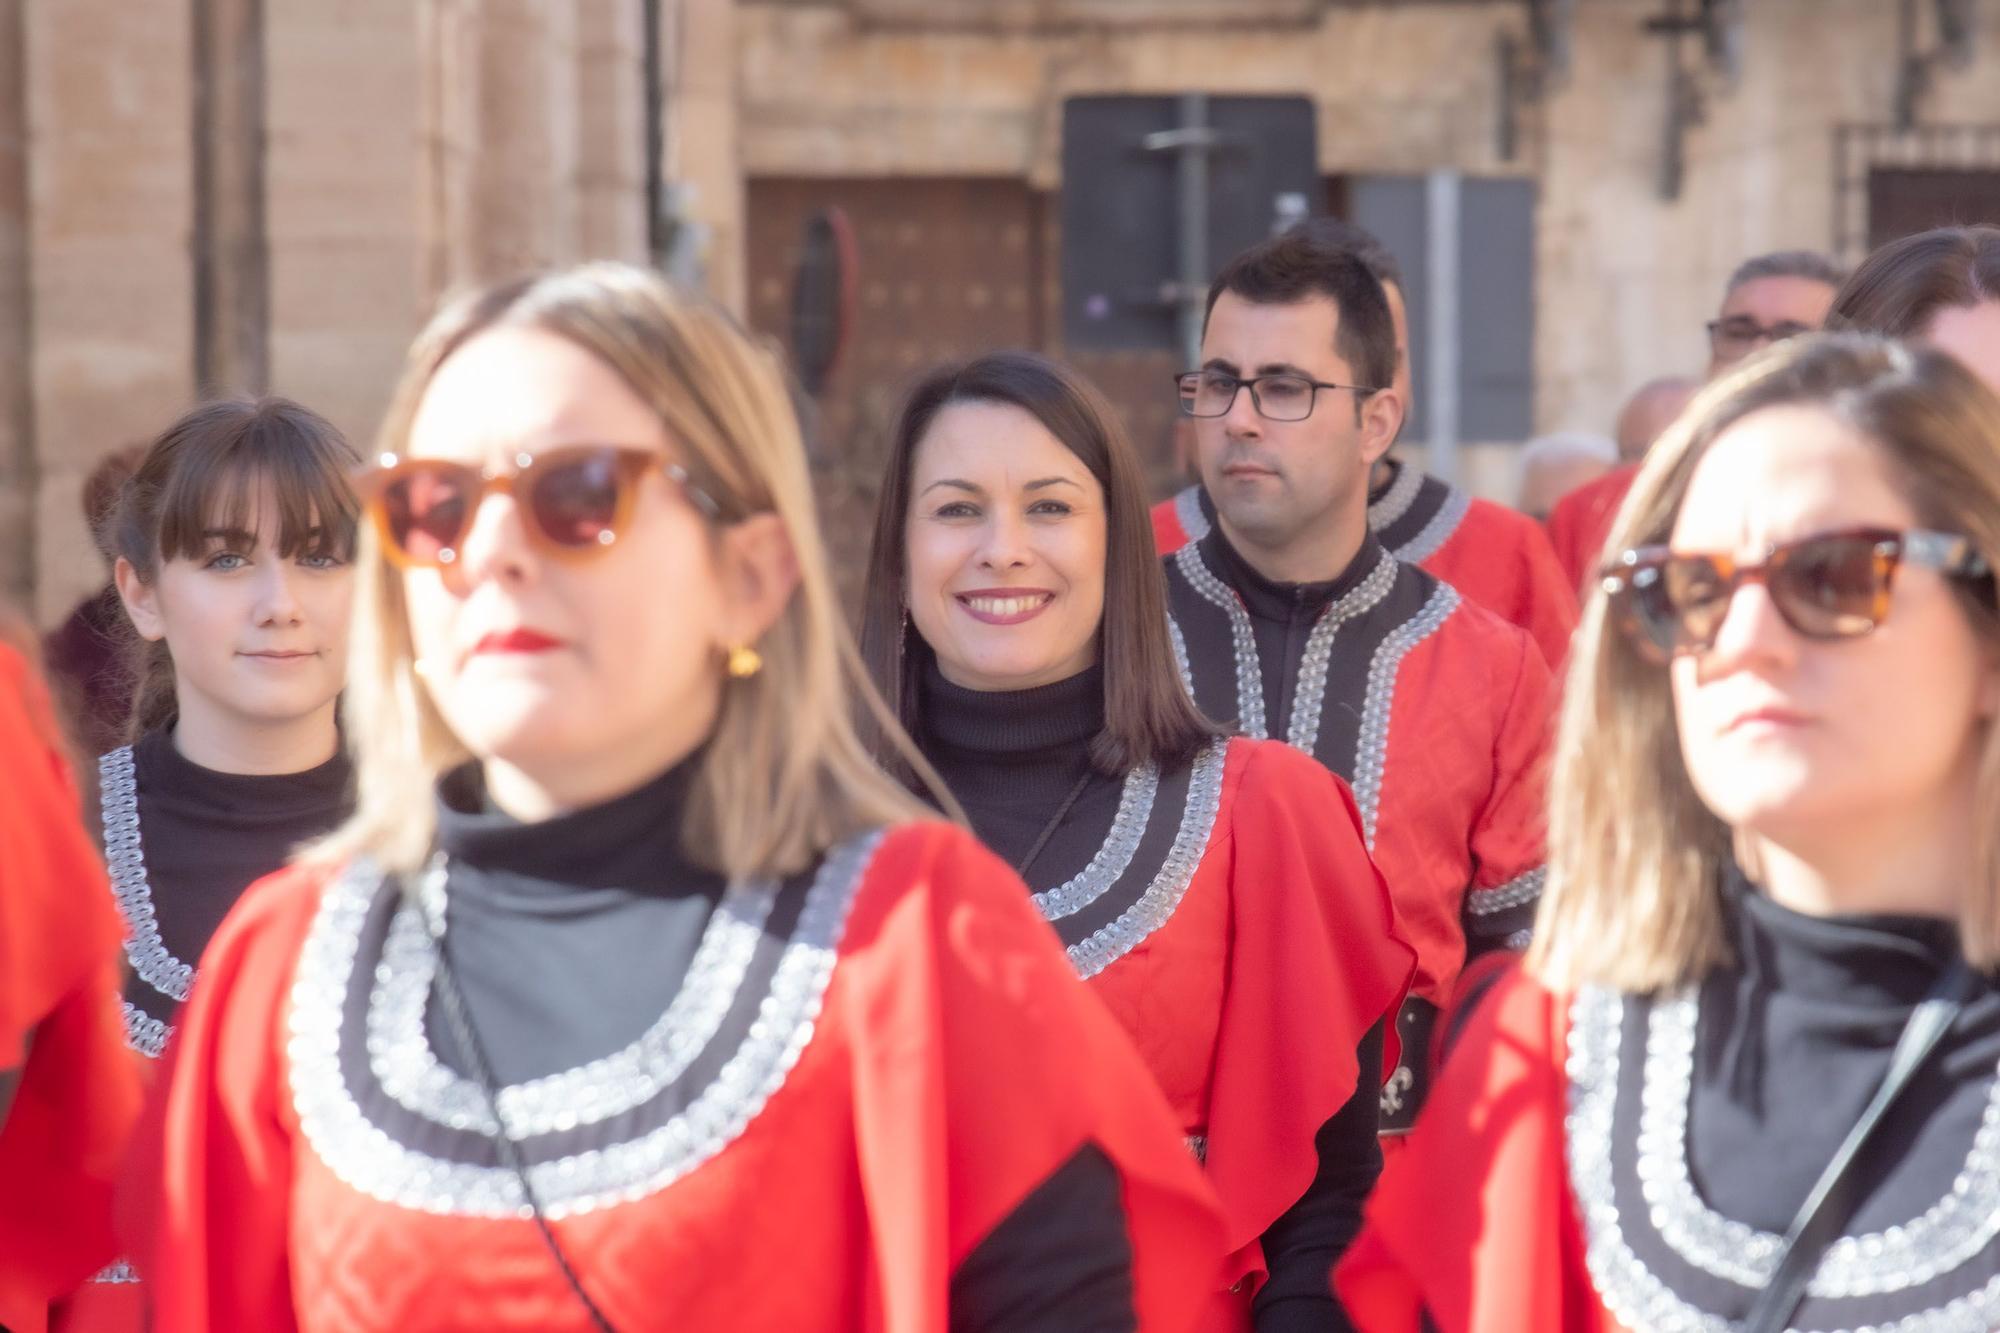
1211	393
1736	335
1835	585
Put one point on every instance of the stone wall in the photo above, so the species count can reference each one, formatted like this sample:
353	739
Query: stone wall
1625	279
412	145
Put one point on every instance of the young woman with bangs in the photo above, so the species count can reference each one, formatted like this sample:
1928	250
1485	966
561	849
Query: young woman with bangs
1216	893
634	996
233	545
1746	1078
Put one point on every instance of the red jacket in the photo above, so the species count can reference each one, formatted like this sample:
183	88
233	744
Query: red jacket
61	1141
1580	523
1496	556
931	1059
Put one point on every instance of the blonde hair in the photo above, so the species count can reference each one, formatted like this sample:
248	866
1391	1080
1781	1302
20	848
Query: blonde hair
785	775
1636	861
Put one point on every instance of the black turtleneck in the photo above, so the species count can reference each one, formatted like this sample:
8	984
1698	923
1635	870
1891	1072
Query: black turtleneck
571	936
1793	1039
1282	615
1012	758
207	836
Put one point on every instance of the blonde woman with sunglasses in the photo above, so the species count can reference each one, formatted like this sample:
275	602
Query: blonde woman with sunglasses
1746	1077
634	996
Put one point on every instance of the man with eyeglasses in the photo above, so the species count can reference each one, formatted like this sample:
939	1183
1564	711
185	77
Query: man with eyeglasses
1769	298
1293	619
1498	557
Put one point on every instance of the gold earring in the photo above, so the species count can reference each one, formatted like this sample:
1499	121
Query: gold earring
744	662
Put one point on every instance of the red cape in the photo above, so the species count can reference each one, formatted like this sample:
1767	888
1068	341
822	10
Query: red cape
955	1063
1580	523
59	951
1475	1225
1249	1002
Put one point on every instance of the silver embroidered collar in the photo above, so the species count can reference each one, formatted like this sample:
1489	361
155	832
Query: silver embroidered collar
125	859
1942	1239
371	1161
1395	502
1310	697
1128	827
1155	906
403	1061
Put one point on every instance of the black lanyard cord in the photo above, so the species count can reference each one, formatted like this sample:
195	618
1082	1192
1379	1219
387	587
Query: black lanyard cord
460	1017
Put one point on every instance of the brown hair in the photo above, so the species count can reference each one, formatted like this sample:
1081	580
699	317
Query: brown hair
1633	898
784	776
1148	716
1296	267
1900	288
204	474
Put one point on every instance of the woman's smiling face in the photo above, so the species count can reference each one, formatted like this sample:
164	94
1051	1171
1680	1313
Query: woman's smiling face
1006	536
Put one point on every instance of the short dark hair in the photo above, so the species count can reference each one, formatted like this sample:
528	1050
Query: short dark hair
1900	288
1148	716
1810	265
1340	234
1294	267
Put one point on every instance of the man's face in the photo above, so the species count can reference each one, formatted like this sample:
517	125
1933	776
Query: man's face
1282	486
1763	311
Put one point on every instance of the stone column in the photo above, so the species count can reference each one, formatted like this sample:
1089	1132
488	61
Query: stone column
110	175
343	99
611	129
704	161
500	131
19	468
232	312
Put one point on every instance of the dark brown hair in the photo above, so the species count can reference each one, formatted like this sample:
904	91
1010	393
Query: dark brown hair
1340	234
1900	288
1148	716
1295	267
204	474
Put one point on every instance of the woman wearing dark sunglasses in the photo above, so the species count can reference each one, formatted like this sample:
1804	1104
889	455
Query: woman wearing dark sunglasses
1217	893
1746	1077
633	997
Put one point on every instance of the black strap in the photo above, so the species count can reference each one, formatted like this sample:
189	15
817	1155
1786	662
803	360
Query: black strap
459	1015
1055	822
1831	1202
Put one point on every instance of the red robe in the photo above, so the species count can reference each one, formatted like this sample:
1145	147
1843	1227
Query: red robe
931	1061
1497	556
1580	523
78	1094
1476	1226
1248	1002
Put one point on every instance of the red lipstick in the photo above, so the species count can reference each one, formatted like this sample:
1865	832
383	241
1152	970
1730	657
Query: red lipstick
515	641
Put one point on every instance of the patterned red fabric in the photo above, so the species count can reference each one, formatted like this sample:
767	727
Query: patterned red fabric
60	1022
1580	523
1249	1002
1499	558
1475	1226
956	1062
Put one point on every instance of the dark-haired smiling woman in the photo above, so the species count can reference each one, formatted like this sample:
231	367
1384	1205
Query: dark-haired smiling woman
1215	893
